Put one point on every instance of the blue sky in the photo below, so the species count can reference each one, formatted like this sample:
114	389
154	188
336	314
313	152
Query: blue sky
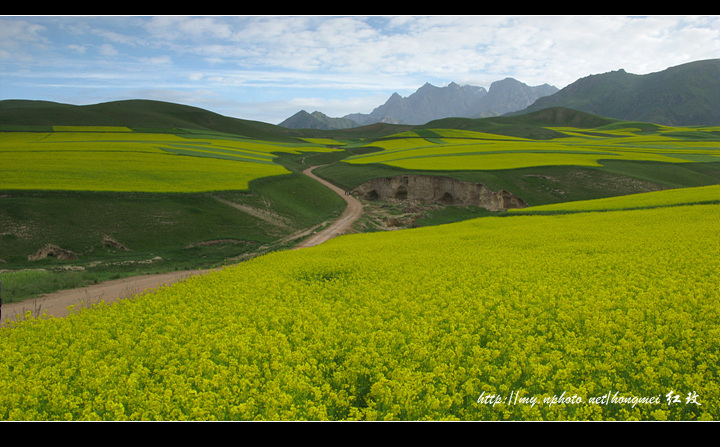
267	68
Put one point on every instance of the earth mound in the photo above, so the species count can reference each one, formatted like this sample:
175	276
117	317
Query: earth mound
51	250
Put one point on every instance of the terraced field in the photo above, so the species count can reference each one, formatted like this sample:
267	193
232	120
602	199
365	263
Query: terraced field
118	159
655	199
438	149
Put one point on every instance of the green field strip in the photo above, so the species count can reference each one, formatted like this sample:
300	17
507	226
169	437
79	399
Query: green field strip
700	195
214	153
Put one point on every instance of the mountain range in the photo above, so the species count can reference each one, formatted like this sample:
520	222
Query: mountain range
430	102
687	94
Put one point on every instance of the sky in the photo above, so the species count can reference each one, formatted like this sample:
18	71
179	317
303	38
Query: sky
267	68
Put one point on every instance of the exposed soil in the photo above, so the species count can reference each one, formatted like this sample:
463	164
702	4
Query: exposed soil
265	215
381	215
54	251
343	224
438	190
56	304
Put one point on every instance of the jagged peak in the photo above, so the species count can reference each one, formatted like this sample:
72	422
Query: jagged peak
427	86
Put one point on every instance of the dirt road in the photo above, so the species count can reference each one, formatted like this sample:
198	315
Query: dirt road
352	212
57	303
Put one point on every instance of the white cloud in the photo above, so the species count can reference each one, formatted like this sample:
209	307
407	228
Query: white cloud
14	31
107	50
156	60
79	49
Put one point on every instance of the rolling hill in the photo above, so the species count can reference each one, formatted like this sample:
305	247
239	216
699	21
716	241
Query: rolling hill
687	94
136	114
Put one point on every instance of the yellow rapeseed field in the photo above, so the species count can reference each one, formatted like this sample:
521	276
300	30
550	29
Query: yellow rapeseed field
465	150
112	159
667	197
588	316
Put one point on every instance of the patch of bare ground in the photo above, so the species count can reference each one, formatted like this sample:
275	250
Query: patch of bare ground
431	189
266	215
394	203
392	215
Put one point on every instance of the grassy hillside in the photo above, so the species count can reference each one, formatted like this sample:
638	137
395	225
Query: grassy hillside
536	125
173	201
657	199
141	115
158	116
581	163
686	94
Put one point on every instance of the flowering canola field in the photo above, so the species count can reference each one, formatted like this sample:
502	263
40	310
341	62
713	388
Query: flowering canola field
667	197
118	159
468	150
587	316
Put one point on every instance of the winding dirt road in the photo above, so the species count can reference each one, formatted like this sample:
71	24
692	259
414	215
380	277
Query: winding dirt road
57	303
352	212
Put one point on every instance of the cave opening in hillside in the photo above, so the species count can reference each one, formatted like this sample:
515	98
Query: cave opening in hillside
372	195
401	193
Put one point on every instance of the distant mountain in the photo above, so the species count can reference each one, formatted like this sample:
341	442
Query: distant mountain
426	104
317	120
430	103
510	95
683	95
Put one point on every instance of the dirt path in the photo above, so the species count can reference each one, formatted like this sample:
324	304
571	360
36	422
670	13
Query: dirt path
57	303
352	212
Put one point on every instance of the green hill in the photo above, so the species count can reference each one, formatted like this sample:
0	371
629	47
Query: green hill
164	116
530	125
687	94
138	115
159	116
317	120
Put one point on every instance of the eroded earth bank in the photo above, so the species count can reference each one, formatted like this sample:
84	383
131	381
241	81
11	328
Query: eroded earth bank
435	189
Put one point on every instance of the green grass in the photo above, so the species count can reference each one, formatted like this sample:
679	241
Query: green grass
451	214
671	197
577	163
154	225
25	284
158	193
